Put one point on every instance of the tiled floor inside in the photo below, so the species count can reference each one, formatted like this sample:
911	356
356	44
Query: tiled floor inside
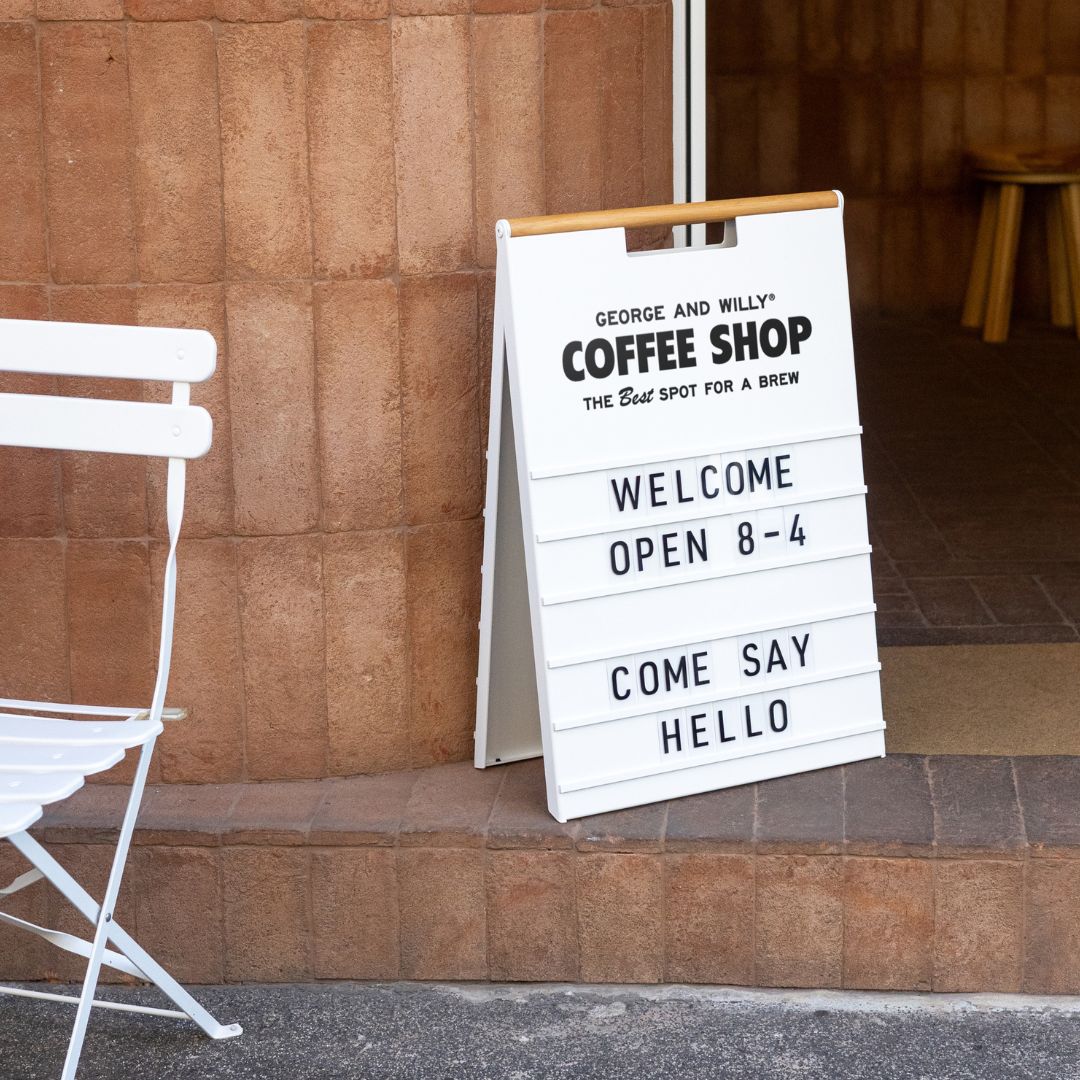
972	456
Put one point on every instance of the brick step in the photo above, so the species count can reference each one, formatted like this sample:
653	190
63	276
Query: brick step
947	873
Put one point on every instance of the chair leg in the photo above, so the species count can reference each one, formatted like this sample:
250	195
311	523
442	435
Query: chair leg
1061	313
1070	213
978	282
150	969
1003	263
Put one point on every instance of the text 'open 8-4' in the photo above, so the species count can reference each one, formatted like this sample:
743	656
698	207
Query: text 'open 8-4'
677	592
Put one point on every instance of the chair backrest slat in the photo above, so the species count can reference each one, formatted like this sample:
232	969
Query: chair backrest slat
113	352
115	427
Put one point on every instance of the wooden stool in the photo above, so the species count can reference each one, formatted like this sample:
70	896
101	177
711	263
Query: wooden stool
1005	172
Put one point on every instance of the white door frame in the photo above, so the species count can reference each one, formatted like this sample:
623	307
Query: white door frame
688	111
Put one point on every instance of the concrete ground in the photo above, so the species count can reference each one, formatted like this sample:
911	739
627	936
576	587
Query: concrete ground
354	1031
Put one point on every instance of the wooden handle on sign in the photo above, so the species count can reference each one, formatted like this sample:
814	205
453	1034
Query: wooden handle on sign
639	217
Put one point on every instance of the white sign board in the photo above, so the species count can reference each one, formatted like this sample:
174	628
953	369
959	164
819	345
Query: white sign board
677	591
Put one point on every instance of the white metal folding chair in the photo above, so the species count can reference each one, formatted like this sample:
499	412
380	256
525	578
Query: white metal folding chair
43	759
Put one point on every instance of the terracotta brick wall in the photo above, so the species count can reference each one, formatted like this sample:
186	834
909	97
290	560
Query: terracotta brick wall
316	182
879	98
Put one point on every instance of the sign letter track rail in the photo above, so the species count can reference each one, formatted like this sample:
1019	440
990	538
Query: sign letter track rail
676	589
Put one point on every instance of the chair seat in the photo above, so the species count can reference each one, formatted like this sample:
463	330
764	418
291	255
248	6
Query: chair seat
1031	164
15	817
44	760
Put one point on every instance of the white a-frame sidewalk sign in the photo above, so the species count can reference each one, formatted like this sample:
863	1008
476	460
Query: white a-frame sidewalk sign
676	591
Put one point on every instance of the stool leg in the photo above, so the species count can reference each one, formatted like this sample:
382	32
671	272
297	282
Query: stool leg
978	282
1061	313
1070	213
1003	263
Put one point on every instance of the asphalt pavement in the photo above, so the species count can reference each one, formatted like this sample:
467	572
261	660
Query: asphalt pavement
407	1030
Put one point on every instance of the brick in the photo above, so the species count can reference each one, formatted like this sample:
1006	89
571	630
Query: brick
87	130
206	676
778	155
718	821
443	914
90	816
862	238
520	818
620	921
573	111
640	828
485	333
443	588
450	806
984	36
346	9
367	662
901	119
888	924
362	810
433	145
185	814
861	36
822	31
33	633
29	478
272	390
622	95
799	921
984	110
178	911
177	160
902	289
80	9
430	7
208	499
863	141
709	919
943	35
888	810
22	226
22	955
1051	930
979	926
976	809
169	10
1025	37
274	813
441	428
109	606
1024	110
778	33
1062	36
504	7
16	9
264	150
281	618
942	133
267	922
355	921
803	813
257	10
89	866
900	45
658	175
104	494
350	123
508	94
532	917
359	406
1049	793
821	134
